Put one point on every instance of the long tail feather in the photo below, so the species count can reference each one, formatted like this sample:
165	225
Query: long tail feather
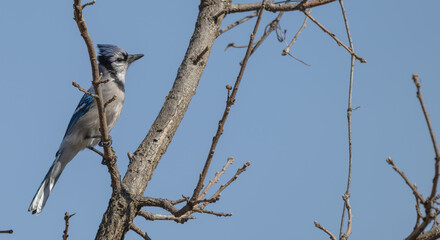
47	185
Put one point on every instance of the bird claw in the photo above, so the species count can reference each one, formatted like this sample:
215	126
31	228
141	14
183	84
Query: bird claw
106	143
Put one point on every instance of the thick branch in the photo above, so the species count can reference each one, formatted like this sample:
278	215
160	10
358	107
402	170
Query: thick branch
275	7
147	156
158	202
432	234
153	217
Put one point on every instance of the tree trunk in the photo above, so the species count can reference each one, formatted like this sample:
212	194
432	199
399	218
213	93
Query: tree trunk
122	208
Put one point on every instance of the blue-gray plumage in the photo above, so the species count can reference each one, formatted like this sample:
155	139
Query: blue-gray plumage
83	129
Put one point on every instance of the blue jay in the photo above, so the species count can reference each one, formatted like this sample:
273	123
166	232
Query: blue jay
83	129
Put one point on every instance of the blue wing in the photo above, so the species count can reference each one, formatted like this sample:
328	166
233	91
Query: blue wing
83	106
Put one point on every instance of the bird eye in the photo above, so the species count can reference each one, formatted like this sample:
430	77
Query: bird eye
120	59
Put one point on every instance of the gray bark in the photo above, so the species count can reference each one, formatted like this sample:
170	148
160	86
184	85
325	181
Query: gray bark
123	207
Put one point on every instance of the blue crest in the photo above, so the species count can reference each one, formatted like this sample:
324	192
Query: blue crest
108	50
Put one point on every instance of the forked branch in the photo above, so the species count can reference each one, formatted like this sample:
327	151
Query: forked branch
431	211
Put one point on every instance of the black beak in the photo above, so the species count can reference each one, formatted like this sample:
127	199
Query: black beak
134	57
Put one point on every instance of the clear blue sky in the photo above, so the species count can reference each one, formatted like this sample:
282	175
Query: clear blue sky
289	120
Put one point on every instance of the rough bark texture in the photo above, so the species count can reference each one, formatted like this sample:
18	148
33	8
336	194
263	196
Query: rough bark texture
122	208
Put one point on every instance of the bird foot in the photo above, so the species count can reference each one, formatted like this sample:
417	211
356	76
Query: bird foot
106	143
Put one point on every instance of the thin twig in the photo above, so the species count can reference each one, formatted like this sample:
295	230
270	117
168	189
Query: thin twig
109	155
67	217
139	231
287	49
335	38
109	101
431	199
96	151
412	186
224	186
236	23
431	132
212	212
346	198
272	26
233	45
10	231
349	111
230	101
88	4
216	177
419	214
332	237
83	90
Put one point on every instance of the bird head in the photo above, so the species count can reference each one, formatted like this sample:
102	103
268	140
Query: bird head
116	59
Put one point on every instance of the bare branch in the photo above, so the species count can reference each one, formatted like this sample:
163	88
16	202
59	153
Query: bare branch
332	237
431	200
431	132
109	101
224	186
236	23
335	38
272	26
153	217
346	198
233	45
230	101
419	213
350	152
287	49
412	186
432	234
10	231
157	202
67	217
96	151
109	156
216	177
274	7
88	4
212	212
83	90
139	231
